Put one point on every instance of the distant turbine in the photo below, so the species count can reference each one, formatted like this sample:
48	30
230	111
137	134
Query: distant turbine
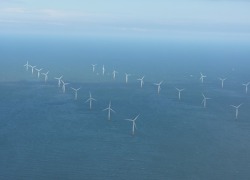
222	81
179	92
45	76
158	86
59	80
75	90
27	66
114	74
38	72
204	101
103	70
202	77
63	85
90	99
93	67
109	110
246	86
133	125
32	68
141	79
236	110
126	77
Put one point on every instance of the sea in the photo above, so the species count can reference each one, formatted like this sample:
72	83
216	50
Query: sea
47	134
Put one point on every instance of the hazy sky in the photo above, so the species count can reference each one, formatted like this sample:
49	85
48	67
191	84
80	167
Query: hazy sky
158	17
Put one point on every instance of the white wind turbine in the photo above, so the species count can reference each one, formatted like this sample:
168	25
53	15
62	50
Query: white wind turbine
63	85
222	81
158	86
246	84
103	70
126	77
45	76
179	92
204	101
90	99
32	68
27	66
114	74
202	77
236	110
109	110
38	72
142	81
59	80
76	92
93	67
133	125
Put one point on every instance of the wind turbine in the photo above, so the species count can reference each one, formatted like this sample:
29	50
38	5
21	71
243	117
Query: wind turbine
204	101
236	110
59	80
75	90
32	68
114	73
103	70
246	84
45	76
133	125
141	79
38	72
27	66
179	92
202	77
222	81
126	77
63	86
90	99
93	67
158	86
109	110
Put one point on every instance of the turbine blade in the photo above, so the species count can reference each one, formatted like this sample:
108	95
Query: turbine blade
239	105
136	117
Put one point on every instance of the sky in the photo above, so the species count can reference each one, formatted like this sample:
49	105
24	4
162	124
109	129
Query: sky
137	17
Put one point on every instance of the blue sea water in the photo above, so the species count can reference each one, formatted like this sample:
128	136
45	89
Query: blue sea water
46	134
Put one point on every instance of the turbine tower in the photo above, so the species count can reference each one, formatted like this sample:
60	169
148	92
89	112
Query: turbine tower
141	80
59	80
76	92
26	66
38	72
126	77
90	99
222	81
109	110
204	101
93	67
114	74
179	92
63	86
158	86
246	84
45	76
202	77
236	110
134	124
